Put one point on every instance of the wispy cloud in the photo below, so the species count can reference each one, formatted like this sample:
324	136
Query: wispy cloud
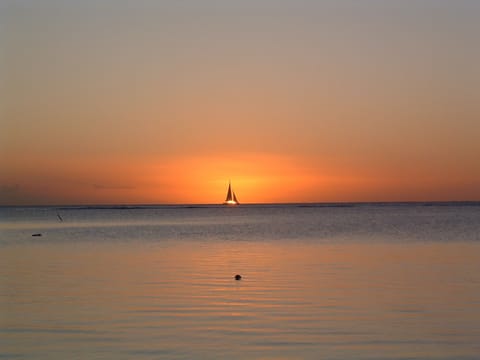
9	189
112	187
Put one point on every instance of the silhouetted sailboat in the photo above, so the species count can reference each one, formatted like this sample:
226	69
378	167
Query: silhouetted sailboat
231	198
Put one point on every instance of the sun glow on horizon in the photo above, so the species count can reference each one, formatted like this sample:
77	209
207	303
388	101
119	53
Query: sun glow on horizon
256	178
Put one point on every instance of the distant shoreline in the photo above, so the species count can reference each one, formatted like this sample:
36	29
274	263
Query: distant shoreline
290	204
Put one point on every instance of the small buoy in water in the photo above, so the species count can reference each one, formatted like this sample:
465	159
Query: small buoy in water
38	234
238	277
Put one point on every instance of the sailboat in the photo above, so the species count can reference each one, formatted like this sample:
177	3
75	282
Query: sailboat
231	198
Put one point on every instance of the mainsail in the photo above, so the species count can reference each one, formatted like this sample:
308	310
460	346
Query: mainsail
229	193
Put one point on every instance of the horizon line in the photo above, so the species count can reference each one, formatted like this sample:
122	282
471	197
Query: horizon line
253	203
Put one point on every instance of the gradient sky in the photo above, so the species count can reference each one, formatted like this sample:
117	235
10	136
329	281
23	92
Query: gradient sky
148	101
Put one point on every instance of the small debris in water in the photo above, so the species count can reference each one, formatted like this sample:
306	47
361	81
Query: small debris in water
37	234
238	277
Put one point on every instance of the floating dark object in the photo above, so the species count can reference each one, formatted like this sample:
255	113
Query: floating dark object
37	234
238	277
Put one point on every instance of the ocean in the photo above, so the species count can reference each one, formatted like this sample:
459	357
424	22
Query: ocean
319	281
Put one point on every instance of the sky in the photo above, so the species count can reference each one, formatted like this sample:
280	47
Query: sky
119	102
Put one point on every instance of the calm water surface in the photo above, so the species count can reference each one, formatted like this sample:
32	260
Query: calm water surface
369	281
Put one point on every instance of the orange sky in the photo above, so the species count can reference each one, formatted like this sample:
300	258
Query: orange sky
292	101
